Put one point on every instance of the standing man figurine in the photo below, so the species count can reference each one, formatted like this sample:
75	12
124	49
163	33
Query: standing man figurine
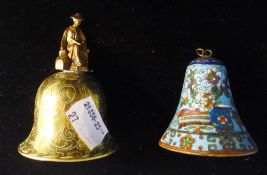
73	54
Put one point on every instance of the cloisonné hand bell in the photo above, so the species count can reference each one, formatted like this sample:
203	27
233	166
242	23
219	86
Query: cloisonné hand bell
69	115
206	121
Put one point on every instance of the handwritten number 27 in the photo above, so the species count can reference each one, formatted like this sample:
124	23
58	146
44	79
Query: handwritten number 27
73	116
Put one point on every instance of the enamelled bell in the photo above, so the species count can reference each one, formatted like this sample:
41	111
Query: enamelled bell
69	115
206	122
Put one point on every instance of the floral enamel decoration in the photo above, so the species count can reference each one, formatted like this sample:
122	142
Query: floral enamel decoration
206	121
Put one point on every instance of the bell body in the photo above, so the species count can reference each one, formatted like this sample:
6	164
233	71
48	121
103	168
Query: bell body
53	138
206	121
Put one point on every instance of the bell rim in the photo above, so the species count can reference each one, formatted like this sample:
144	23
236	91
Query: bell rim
210	153
47	159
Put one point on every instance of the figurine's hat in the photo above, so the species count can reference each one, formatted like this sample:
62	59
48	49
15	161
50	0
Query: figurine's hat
77	16
206	121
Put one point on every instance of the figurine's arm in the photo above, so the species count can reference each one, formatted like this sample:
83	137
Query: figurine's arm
70	40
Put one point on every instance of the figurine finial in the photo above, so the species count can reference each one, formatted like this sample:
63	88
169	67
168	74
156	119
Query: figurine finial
73	54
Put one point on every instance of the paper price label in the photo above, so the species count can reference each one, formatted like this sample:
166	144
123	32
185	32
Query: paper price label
87	122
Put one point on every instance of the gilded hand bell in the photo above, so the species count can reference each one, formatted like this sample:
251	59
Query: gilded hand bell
69	115
206	121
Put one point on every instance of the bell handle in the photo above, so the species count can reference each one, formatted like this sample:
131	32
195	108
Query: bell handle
203	52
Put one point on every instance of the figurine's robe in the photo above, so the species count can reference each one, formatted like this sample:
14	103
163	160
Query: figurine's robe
77	53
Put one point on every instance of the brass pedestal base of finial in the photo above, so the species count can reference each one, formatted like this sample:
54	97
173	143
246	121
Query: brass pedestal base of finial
65	64
79	68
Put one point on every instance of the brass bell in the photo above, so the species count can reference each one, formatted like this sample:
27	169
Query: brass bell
57	135
206	121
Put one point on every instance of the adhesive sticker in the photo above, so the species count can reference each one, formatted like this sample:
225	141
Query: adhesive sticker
87	122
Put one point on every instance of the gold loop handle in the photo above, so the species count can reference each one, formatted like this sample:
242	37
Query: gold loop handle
204	53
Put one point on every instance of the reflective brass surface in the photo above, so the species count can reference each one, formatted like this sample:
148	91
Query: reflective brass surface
52	137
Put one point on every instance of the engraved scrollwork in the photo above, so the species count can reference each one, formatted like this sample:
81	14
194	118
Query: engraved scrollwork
60	141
